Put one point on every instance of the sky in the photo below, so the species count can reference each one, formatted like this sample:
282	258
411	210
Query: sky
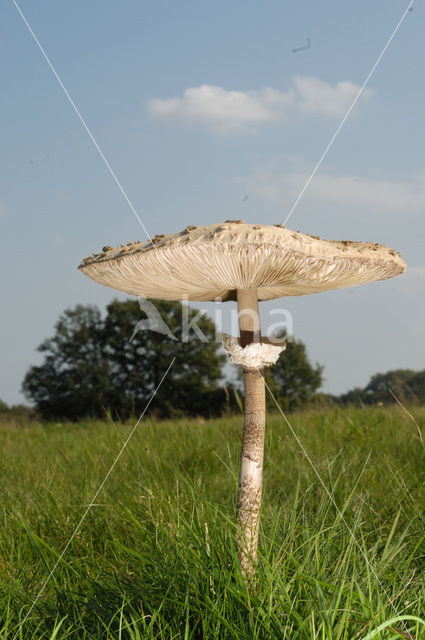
204	113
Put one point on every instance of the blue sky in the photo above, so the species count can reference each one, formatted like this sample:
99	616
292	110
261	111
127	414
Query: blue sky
196	105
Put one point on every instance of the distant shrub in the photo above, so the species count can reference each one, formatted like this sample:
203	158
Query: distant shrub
17	414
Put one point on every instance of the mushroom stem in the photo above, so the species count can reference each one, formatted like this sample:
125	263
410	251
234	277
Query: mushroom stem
251	473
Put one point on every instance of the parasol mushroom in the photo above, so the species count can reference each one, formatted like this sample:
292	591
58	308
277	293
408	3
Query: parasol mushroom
247	263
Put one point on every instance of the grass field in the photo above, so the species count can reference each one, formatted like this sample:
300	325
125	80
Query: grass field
155	557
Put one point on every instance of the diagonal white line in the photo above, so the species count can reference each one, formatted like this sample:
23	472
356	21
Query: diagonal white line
300	444
43	586
322	157
83	122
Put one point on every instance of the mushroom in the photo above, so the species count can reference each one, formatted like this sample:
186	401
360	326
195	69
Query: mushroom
247	263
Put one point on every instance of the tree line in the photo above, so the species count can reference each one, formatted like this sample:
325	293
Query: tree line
404	385
96	365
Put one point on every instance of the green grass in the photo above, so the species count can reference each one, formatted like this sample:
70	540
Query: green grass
156	557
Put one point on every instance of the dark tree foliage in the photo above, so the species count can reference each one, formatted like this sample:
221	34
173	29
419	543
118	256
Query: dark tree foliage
74	379
91	366
137	367
17	414
293	380
407	385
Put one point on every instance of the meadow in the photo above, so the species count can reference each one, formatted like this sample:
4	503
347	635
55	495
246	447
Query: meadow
340	557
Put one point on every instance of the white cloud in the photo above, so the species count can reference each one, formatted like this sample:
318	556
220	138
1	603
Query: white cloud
232	111
225	111
380	196
316	96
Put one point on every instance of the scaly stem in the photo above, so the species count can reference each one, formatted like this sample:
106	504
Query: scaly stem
251	474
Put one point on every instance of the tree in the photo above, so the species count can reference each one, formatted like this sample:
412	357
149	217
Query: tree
405	384
74	379
401	382
91	366
356	396
138	366
293	380
17	414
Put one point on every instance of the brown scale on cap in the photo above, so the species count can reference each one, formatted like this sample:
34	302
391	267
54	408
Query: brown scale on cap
215	261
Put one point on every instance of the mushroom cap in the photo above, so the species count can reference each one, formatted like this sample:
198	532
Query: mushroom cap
210	262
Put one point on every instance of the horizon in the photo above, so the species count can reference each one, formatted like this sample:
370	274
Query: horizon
205	113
